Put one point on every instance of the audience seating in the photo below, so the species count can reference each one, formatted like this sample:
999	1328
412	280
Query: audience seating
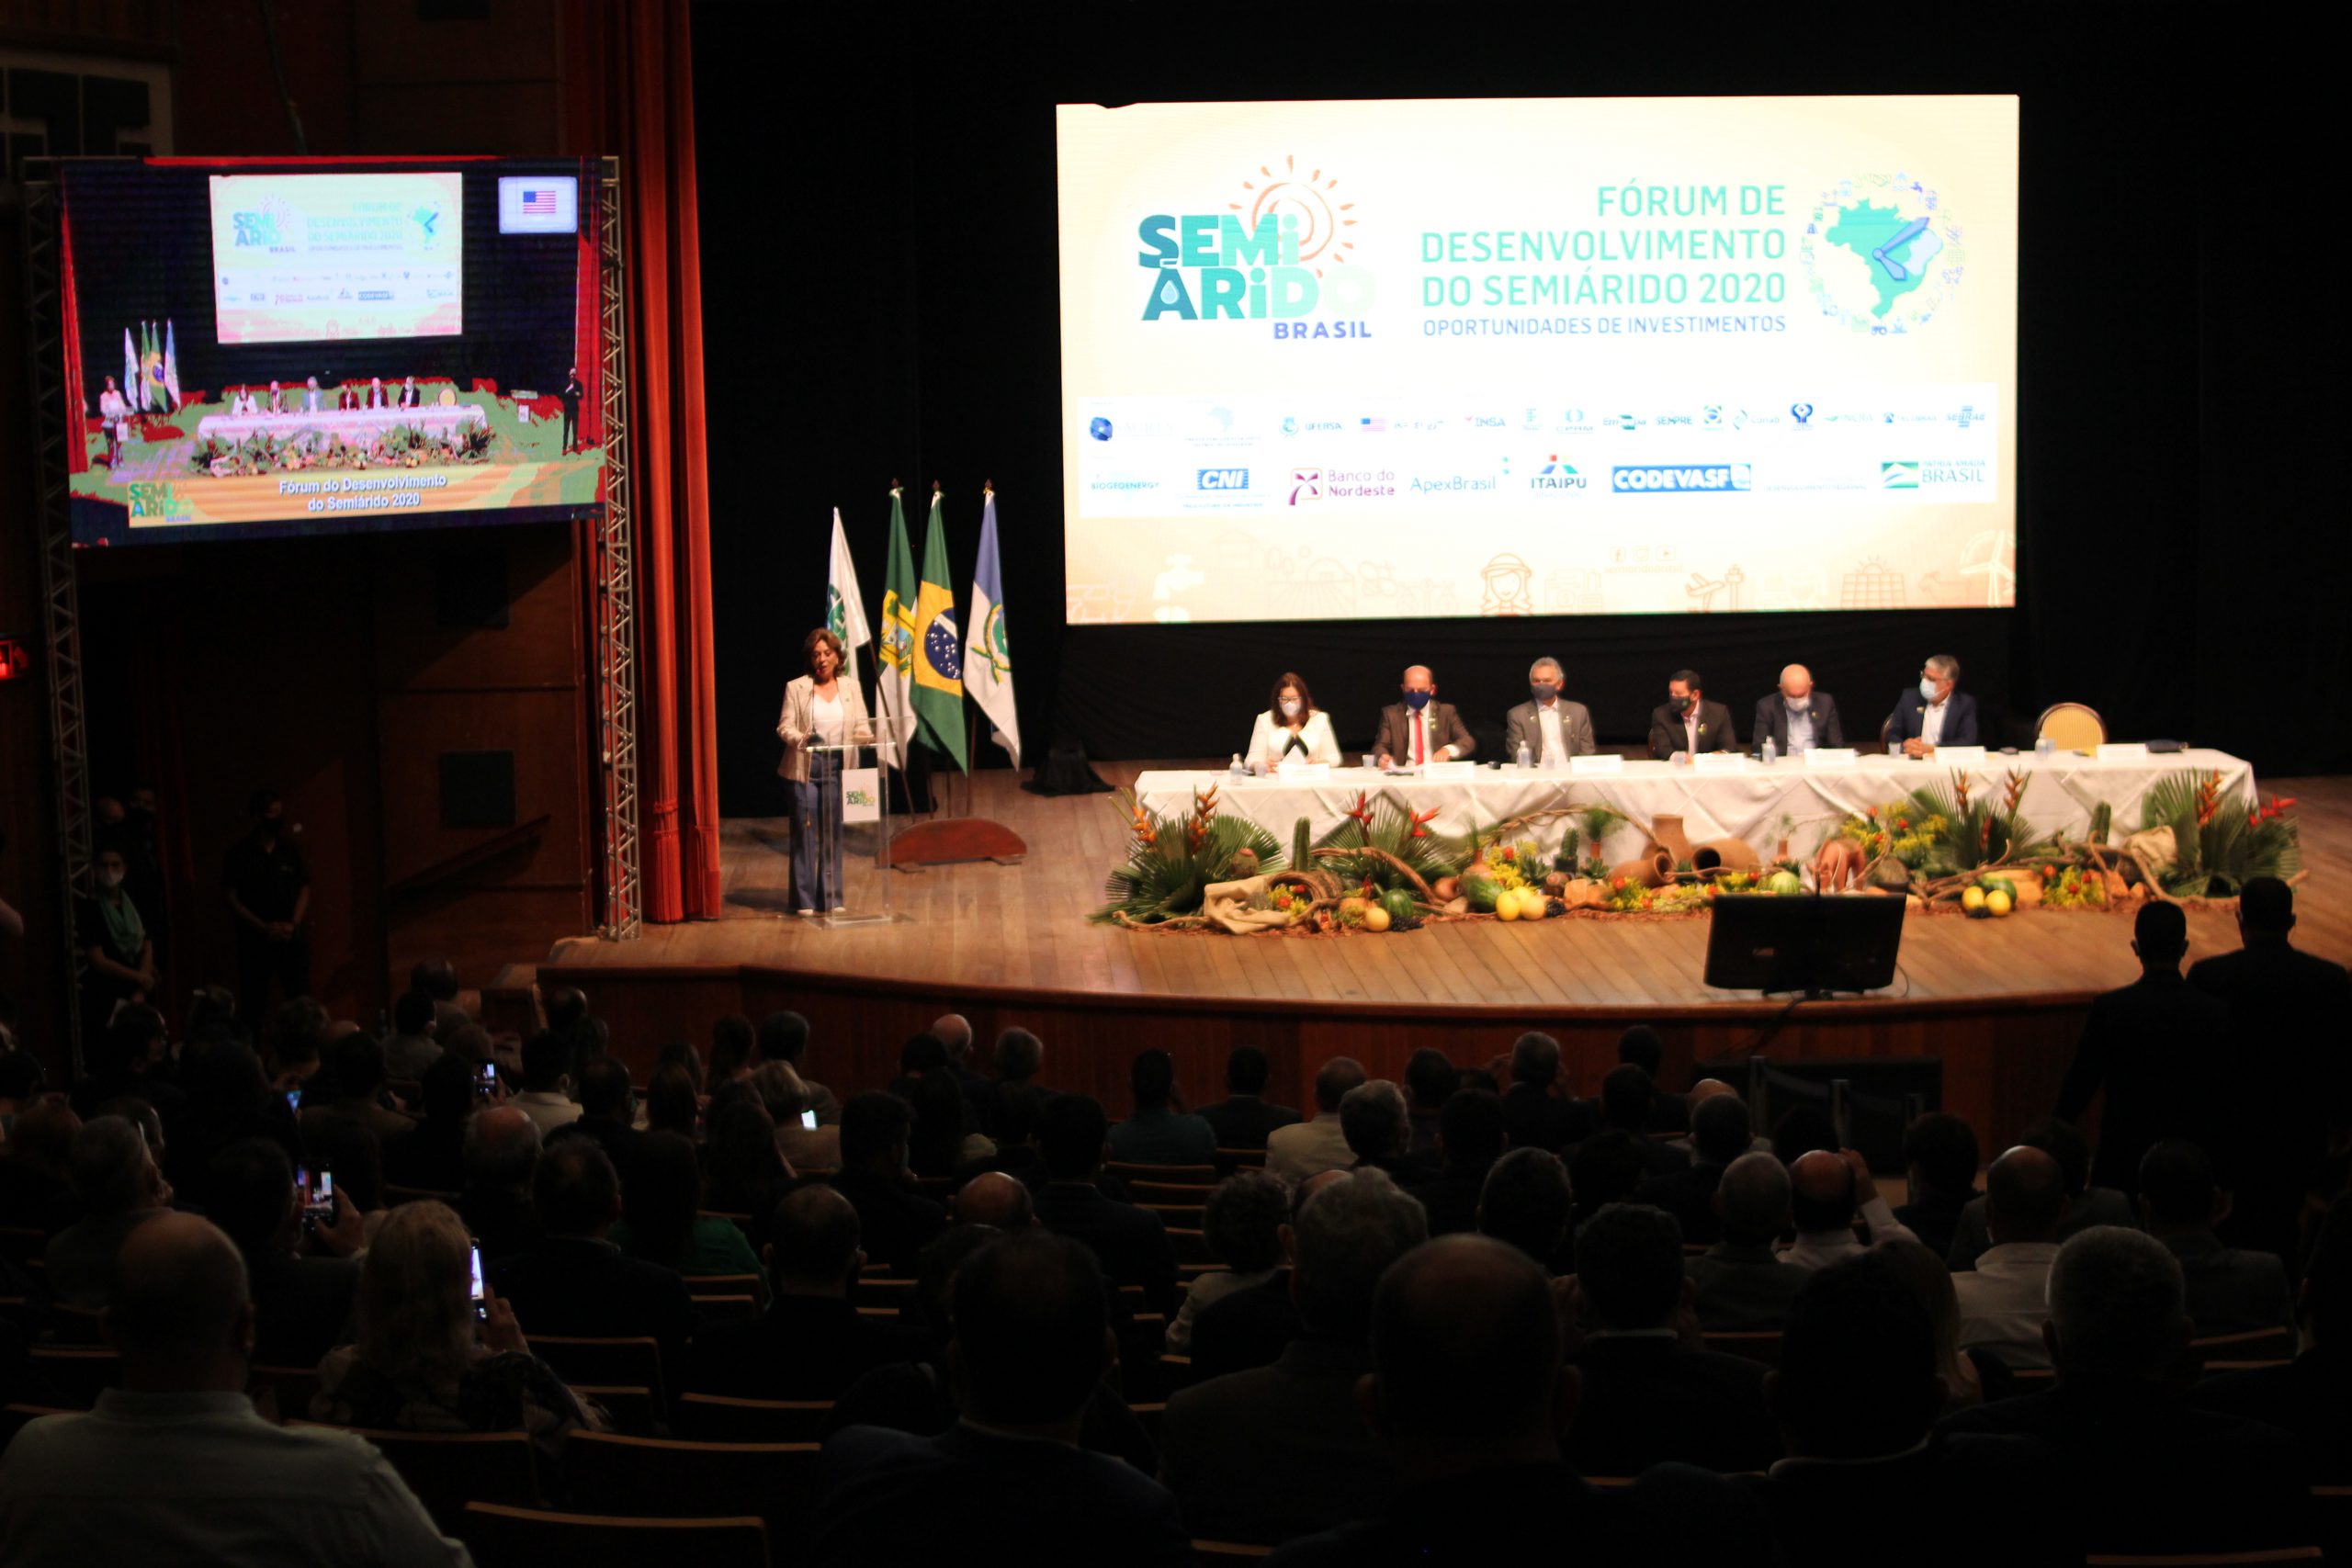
448	1470
21	1245
1179	1175
727	1309
669	1477
78	1375
1191	1246
289	1388
2256	1345
632	1409
2205	1559
1151	1194
1178	1216
1755	1345
1215	1549
716	1418
71	1324
505	1536
614	1363
395	1195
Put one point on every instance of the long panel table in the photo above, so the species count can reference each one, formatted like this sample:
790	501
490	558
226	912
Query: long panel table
1759	804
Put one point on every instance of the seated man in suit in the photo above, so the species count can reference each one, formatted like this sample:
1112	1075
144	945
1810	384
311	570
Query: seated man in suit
1935	713
1471	1398
1470	1137
1299	1151
501	1153
1159	1132
1687	723
1939	1158
1281	1451
121	1188
1628	1099
312	401
1379	1131
1648	1398
2144	1471
411	396
1856	1390
2311	1395
1032	1342
1526	1202
2229	1291
894	1220
810	1343
574	1280
277	399
1795	717
1130	1243
1721	1131
1244	1117
2086	1206
1420	729
1252	1327
1740	1285
346	397
1551	728
301	1301
1537	1117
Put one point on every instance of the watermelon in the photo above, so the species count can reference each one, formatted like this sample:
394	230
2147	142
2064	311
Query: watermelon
1481	891
1784	881
1399	903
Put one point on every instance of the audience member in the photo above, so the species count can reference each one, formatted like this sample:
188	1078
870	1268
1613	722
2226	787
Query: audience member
791	1102
1648	1396
733	1046
1628	1100
1974	1375
1828	1192
1856	1392
811	1343
784	1037
1160	1132
893	1219
1020	1054
354	1065
2144	1471
1940	1156
1639	1046
744	1171
607	1112
120	1188
1429	1082
994	1199
1470	1139
1802	1129
1738	1284
1605	1169
1031	1344
1245	1119
432	1159
501	1154
425	1361
437	980
229	1100
411	1047
1721	1131
576	1280
1252	1327
1281	1451
2287	1098
954	1031
2004	1301
943	1138
546	1098
1526	1202
1535	1116
2154	1050
1470	1398
1129	1243
175	1465
352	1153
670	1102
663	1220
1245	1220
2311	1395
36	1176
2229	1291
2086	1206
1307	1149
1379	1131
301	1301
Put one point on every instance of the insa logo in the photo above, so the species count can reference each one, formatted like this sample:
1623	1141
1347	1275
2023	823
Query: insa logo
1221	479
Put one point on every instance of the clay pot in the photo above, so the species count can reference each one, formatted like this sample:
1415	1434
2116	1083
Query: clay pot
1650	870
1666	833
1445	888
1719	855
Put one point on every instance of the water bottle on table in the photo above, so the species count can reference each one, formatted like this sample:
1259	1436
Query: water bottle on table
1525	761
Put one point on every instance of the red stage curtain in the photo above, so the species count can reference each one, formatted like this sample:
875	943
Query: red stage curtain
630	92
81	402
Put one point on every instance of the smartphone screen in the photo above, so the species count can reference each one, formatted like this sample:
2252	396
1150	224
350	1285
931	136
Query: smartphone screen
323	1194
486	1084
809	1119
294	1101
481	1309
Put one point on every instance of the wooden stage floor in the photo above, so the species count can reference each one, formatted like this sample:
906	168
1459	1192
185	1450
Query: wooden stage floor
1011	944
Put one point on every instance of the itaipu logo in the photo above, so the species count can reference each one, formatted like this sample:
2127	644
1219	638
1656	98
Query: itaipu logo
1279	251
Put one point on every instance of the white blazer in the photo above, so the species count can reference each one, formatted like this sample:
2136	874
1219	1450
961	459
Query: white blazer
1269	738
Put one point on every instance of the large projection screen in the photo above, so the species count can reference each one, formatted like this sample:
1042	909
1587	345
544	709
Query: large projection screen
1538	356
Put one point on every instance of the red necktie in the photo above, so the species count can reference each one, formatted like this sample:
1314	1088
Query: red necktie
1421	740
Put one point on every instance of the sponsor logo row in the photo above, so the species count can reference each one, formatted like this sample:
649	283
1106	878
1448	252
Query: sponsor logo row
1226	424
1300	483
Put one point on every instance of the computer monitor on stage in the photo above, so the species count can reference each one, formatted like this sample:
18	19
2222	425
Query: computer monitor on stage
1811	944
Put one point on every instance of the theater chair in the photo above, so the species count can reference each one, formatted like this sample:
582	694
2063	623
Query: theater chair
2206	1559
449	1470
2070	727
1213	1551
718	1418
610	1363
1200	1176
1753	1344
632	1409
287	1391
673	1478
504	1536
78	1375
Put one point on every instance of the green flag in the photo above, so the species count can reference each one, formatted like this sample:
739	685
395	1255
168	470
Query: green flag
893	692
939	649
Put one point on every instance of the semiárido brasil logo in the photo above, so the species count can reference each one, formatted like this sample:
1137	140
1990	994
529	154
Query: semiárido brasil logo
1881	254
1281	251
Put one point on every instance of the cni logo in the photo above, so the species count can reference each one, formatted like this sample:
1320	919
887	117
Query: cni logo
1221	479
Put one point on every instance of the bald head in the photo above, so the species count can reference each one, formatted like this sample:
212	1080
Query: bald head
1418	678
179	1312
1752	1199
953	1031
1796	682
1467	1347
813	1242
995	1199
2025	1196
1821	1193
1707	1088
501	1147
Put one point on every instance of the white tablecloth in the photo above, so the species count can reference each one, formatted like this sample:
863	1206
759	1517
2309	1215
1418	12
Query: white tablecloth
435	419
1761	804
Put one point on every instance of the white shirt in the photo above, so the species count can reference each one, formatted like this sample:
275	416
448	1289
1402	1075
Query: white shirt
202	1478
1815	1248
546	1108
1932	723
1800	730
1555	744
2004	1301
1270	739
826	713
1691	730
112	405
1308	1149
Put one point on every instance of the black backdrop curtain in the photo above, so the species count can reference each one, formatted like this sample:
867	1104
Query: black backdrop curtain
2182	552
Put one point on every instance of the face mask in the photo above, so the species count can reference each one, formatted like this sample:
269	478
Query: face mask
1290	708
1542	693
109	880
1682	704
1417	700
1797	705
1927	688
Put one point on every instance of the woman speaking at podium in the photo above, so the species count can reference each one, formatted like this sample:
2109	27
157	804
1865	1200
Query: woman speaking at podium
821	709
1292	728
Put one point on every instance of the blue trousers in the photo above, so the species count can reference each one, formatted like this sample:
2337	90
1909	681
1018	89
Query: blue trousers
816	823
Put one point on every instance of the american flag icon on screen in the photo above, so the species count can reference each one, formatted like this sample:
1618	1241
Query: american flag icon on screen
539	201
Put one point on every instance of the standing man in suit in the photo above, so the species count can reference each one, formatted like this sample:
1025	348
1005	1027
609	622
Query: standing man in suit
1420	729
1795	716
1688	723
1551	729
570	395
2287	1011
1935	713
2155	1047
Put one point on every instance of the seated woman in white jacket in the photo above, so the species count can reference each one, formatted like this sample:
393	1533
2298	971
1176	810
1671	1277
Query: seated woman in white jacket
1292	727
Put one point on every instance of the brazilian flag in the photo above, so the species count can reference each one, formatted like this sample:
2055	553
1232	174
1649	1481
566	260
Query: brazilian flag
939	650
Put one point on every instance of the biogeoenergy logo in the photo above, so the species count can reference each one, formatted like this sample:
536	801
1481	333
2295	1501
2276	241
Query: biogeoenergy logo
1278	252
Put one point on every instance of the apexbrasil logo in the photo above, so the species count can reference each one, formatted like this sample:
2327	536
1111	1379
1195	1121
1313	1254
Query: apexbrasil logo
1281	251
